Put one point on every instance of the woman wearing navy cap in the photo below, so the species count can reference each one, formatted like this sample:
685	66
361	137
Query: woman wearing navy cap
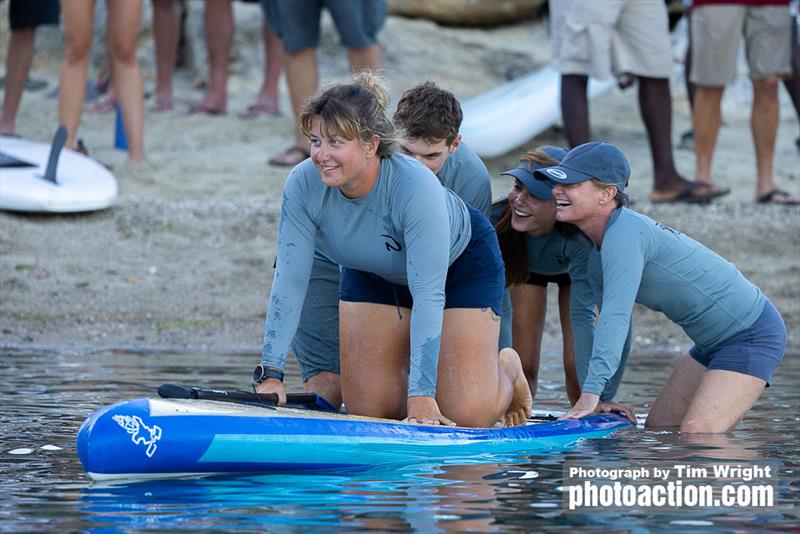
538	250
739	336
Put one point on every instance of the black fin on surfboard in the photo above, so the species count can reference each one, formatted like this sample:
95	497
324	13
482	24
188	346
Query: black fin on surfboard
57	145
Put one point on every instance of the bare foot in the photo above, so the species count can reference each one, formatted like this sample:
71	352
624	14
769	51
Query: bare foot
521	400
163	103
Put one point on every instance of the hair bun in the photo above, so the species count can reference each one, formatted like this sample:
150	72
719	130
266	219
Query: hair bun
373	82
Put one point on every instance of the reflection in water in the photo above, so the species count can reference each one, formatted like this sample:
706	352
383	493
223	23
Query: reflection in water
46	489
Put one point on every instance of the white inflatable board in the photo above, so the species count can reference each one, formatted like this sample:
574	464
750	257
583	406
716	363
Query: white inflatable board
508	116
81	183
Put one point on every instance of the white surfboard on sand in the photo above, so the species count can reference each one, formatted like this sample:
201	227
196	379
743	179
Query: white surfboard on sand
75	183
512	114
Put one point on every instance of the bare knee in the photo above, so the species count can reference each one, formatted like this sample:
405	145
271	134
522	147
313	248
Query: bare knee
122	52
77	49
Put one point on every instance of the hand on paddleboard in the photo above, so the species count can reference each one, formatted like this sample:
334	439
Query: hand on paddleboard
586	405
425	411
273	385
613	407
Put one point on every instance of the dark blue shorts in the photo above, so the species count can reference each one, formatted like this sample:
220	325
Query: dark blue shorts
357	21
475	280
32	13
756	351
562	279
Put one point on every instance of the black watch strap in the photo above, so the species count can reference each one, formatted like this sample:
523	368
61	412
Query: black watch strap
263	372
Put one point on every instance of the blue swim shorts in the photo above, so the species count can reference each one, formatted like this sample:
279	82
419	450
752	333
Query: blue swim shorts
476	279
756	351
357	21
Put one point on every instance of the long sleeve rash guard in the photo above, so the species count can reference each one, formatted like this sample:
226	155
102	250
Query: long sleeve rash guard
408	230
641	260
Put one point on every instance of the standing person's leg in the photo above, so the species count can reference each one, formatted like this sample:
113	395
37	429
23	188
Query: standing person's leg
165	34
368	57
77	17
299	30
124	22
302	77
769	55
793	84
267	100
529	302
715	34
219	28
706	121
273	61
575	108
764	125
18	65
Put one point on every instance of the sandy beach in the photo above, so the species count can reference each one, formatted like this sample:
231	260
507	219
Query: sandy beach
183	261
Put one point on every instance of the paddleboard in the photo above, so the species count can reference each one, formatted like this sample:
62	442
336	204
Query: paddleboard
153	438
512	114
80	183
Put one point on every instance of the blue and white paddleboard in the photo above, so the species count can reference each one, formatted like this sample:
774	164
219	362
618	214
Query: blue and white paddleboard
149	438
75	183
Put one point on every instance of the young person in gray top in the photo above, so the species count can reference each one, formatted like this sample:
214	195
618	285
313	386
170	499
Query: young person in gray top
538	250
739	337
394	229
428	118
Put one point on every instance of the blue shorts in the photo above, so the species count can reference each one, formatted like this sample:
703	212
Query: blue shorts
562	279
357	21
476	279
24	14
756	351
316	342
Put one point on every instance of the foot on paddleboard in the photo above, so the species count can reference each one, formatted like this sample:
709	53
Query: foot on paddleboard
521	398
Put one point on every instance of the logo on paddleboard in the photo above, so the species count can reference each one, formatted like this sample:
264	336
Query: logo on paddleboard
558	174
141	434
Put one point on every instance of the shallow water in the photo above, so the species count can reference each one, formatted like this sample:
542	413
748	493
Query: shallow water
46	396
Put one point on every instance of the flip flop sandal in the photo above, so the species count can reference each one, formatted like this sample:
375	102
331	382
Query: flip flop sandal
257	110
205	110
290	157
772	196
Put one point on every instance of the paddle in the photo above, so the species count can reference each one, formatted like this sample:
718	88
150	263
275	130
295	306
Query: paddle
310	401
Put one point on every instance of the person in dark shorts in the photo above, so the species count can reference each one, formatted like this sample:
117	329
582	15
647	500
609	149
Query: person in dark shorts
358	23
24	17
421	286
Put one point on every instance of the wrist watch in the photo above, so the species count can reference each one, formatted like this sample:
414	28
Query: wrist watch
263	372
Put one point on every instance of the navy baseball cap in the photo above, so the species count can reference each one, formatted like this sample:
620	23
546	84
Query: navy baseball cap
543	190
599	160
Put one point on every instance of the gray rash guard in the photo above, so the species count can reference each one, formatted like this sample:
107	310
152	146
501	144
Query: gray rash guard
465	174
643	261
408	229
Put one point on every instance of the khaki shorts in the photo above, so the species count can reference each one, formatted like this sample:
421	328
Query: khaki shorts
604	37
716	31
